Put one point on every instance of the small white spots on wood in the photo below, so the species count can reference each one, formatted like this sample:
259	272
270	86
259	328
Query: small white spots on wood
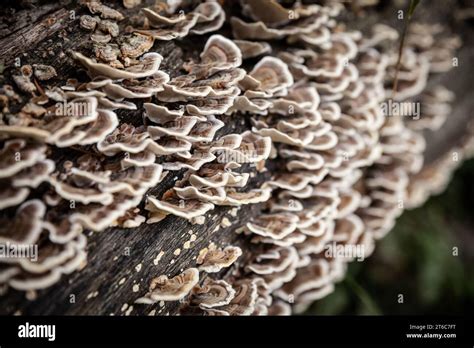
92	295
31	295
225	222
129	310
158	257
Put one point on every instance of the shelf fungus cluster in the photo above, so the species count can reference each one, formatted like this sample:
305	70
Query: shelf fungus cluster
334	147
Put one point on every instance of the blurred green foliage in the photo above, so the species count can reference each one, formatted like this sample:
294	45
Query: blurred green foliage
428	258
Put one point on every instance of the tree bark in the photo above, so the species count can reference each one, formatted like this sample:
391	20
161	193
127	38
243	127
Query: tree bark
119	258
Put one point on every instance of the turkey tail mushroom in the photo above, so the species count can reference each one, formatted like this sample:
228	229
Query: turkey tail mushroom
283	107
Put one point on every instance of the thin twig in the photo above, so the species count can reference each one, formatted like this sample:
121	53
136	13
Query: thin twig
411	10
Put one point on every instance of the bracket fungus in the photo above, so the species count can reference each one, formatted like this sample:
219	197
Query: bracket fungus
163	288
166	25
213	293
280	107
212	260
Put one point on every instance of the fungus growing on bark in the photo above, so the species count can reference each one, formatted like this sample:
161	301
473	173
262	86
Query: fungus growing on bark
212	260
147	66
206	17
283	109
96	7
213	293
163	288
252	49
243	302
43	267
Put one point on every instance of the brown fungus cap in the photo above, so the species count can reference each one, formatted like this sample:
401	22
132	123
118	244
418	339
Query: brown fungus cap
213	293
163	288
212	259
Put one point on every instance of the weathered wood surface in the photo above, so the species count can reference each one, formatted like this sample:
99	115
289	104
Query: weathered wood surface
115	255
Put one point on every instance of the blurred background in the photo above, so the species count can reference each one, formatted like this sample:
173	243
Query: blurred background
416	260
